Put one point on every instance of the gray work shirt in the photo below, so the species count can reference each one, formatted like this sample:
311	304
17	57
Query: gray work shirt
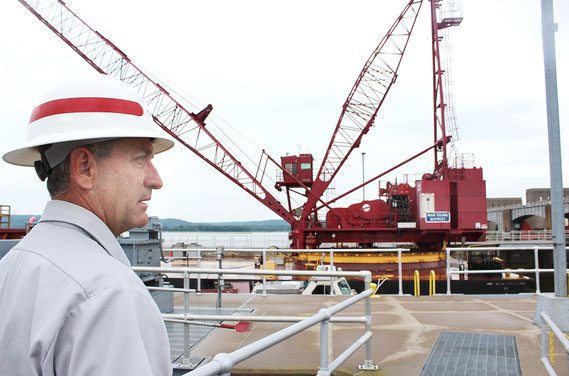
71	305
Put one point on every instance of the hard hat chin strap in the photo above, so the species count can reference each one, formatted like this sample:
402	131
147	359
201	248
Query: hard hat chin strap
43	169
54	154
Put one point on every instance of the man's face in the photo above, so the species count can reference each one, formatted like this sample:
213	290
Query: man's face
124	184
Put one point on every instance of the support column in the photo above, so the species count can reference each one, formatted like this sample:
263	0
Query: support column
555	306
220	279
548	29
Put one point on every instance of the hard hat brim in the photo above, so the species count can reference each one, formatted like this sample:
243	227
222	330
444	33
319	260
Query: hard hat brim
83	111
28	154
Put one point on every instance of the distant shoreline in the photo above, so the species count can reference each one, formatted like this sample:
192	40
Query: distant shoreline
178	225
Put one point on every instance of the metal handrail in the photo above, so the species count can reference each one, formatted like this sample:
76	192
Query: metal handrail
260	242
194	317
230	239
536	249
537	270
290	250
521	235
324	317
547	321
264	251
366	275
222	363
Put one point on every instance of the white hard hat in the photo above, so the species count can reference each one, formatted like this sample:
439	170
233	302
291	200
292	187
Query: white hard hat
84	111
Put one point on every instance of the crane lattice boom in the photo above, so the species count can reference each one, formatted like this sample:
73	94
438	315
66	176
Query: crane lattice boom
186	127
366	97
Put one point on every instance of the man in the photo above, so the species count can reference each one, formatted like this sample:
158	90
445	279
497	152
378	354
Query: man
69	302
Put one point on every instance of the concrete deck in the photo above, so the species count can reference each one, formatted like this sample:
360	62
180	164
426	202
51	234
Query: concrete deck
404	331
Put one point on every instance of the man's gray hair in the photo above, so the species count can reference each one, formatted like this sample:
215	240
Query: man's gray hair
58	180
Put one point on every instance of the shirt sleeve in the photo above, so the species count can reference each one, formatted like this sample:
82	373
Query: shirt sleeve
119	331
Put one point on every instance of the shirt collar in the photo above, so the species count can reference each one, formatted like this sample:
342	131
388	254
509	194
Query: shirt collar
63	211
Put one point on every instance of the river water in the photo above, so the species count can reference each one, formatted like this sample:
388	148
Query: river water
228	239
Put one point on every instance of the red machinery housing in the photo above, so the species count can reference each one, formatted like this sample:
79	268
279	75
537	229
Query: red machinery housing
428	214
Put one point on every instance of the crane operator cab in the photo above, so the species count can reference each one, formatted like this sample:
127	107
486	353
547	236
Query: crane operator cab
298	170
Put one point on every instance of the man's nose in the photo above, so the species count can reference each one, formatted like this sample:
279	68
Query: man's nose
153	179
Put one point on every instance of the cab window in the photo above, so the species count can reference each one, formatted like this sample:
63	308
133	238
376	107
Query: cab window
344	287
292	168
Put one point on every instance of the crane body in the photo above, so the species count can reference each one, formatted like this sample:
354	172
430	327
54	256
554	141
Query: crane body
448	205
428	213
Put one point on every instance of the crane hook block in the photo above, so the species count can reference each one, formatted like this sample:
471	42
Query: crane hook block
203	114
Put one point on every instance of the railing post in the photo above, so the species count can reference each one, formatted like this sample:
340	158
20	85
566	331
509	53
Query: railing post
199	281
186	357
323	368
536	262
220	281
448	271
264	276
544	339
332	292
368	365
400	269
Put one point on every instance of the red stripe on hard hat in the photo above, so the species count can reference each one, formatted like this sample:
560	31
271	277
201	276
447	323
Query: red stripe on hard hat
74	105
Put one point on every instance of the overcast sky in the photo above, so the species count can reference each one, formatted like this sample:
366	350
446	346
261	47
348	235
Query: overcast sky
277	74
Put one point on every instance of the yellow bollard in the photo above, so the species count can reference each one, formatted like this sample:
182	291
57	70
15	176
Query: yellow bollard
417	283
432	289
271	265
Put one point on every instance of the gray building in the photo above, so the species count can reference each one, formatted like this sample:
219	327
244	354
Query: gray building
509	214
542	194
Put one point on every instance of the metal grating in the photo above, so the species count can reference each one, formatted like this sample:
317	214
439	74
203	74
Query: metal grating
473	354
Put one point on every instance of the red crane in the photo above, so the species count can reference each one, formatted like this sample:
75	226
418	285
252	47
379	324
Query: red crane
447	205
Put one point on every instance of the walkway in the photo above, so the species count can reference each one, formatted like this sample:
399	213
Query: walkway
405	329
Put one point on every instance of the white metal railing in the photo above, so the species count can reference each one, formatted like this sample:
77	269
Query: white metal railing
197	254
223	363
545	323
521	235
230	240
280	240
536	270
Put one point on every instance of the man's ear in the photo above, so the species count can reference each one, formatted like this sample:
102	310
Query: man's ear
82	167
